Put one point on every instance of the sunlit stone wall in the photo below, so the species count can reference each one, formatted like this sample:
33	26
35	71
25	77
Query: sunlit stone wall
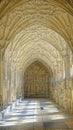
62	84
11	80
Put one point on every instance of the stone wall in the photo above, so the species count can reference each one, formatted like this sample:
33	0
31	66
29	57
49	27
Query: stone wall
1	95
62	93
36	81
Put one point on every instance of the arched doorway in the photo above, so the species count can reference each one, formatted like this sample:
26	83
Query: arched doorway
36	80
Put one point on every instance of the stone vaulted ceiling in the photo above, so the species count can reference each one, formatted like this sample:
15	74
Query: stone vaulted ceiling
34	29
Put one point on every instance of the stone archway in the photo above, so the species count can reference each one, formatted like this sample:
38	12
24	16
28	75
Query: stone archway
36	80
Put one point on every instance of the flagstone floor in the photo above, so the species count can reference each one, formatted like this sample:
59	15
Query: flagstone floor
37	114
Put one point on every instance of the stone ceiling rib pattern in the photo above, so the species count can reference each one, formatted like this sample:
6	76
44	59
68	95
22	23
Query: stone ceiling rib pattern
42	42
24	13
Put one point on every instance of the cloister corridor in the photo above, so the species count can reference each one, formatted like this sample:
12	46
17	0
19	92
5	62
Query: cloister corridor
36	64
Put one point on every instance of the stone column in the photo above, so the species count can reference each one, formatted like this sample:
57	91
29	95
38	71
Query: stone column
67	101
1	74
